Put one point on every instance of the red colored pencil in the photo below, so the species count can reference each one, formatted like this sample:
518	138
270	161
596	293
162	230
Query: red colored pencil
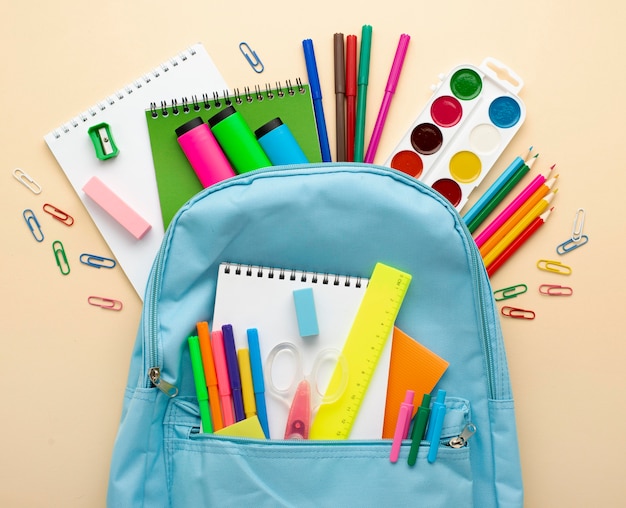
517	243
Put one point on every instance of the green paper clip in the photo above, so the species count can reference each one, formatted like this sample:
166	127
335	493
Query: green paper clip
103	141
510	292
60	257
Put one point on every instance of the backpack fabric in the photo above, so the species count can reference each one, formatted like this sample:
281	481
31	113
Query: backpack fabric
329	218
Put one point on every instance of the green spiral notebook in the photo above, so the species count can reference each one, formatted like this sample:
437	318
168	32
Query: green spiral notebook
176	180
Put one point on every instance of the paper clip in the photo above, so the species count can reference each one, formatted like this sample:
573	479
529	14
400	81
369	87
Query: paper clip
256	64
553	266
510	292
105	303
97	261
61	258
32	222
26	180
555	290
570	244
516	313
59	215
579	222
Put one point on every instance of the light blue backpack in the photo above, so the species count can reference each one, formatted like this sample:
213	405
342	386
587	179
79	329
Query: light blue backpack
329	218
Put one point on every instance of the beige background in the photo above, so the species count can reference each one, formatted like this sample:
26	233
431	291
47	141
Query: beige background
63	363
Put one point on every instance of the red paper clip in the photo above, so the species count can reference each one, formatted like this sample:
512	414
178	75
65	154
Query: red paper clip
517	313
105	303
555	290
59	215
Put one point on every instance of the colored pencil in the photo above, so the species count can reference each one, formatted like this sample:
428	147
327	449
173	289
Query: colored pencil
493	189
512	207
534	212
499	196
535	198
518	242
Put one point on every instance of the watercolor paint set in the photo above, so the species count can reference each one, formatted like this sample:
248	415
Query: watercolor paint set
471	117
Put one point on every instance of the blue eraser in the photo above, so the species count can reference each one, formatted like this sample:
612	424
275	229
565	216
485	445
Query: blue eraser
305	312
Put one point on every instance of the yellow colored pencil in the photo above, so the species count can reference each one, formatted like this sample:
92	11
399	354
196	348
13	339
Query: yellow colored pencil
517	216
517	230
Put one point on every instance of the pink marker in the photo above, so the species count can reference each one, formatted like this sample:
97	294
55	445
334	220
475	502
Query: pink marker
390	89
223	380
519	200
402	425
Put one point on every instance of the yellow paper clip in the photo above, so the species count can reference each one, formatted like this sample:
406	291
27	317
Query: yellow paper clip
516	313
59	215
510	292
570	244
33	224
553	266
105	303
555	290
26	180
247	51
61	258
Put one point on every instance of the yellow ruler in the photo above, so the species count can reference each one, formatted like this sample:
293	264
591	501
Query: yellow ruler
370	331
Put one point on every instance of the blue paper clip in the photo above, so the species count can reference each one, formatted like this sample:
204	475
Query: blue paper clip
510	292
32	223
60	257
570	244
256	64
97	261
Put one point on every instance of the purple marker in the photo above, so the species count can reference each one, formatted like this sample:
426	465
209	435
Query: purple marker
233	371
203	152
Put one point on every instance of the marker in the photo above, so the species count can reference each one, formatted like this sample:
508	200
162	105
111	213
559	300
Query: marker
247	390
316	95
435	424
402	425
419	427
364	70
390	89
233	372
258	383
223	380
210	374
350	95
201	390
340	96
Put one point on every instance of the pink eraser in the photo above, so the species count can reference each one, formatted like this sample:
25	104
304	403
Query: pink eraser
116	207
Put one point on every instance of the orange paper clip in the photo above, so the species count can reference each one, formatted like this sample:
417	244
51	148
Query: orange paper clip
555	290
514	312
553	266
105	303
59	215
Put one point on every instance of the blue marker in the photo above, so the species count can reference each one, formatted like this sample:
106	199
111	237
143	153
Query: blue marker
233	372
316	94
257	379
435	424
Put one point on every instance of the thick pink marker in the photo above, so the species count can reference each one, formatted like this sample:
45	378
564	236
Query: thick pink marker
203	152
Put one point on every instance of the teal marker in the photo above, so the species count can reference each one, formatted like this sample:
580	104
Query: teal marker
361	97
201	390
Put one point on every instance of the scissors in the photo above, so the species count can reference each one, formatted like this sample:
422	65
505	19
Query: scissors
303	402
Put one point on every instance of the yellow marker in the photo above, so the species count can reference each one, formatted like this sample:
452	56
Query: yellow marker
247	389
365	342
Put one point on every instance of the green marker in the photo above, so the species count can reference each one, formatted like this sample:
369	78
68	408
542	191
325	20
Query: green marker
201	389
361	97
419	427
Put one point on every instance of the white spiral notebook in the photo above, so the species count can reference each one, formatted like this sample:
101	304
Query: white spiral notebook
130	175
262	298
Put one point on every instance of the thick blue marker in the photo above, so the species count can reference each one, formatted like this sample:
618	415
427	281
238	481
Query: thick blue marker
279	144
316	94
257	379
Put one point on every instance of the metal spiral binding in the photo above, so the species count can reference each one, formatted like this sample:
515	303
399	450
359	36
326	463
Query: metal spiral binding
292	275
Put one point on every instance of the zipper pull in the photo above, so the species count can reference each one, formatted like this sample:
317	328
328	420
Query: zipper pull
461	440
167	388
